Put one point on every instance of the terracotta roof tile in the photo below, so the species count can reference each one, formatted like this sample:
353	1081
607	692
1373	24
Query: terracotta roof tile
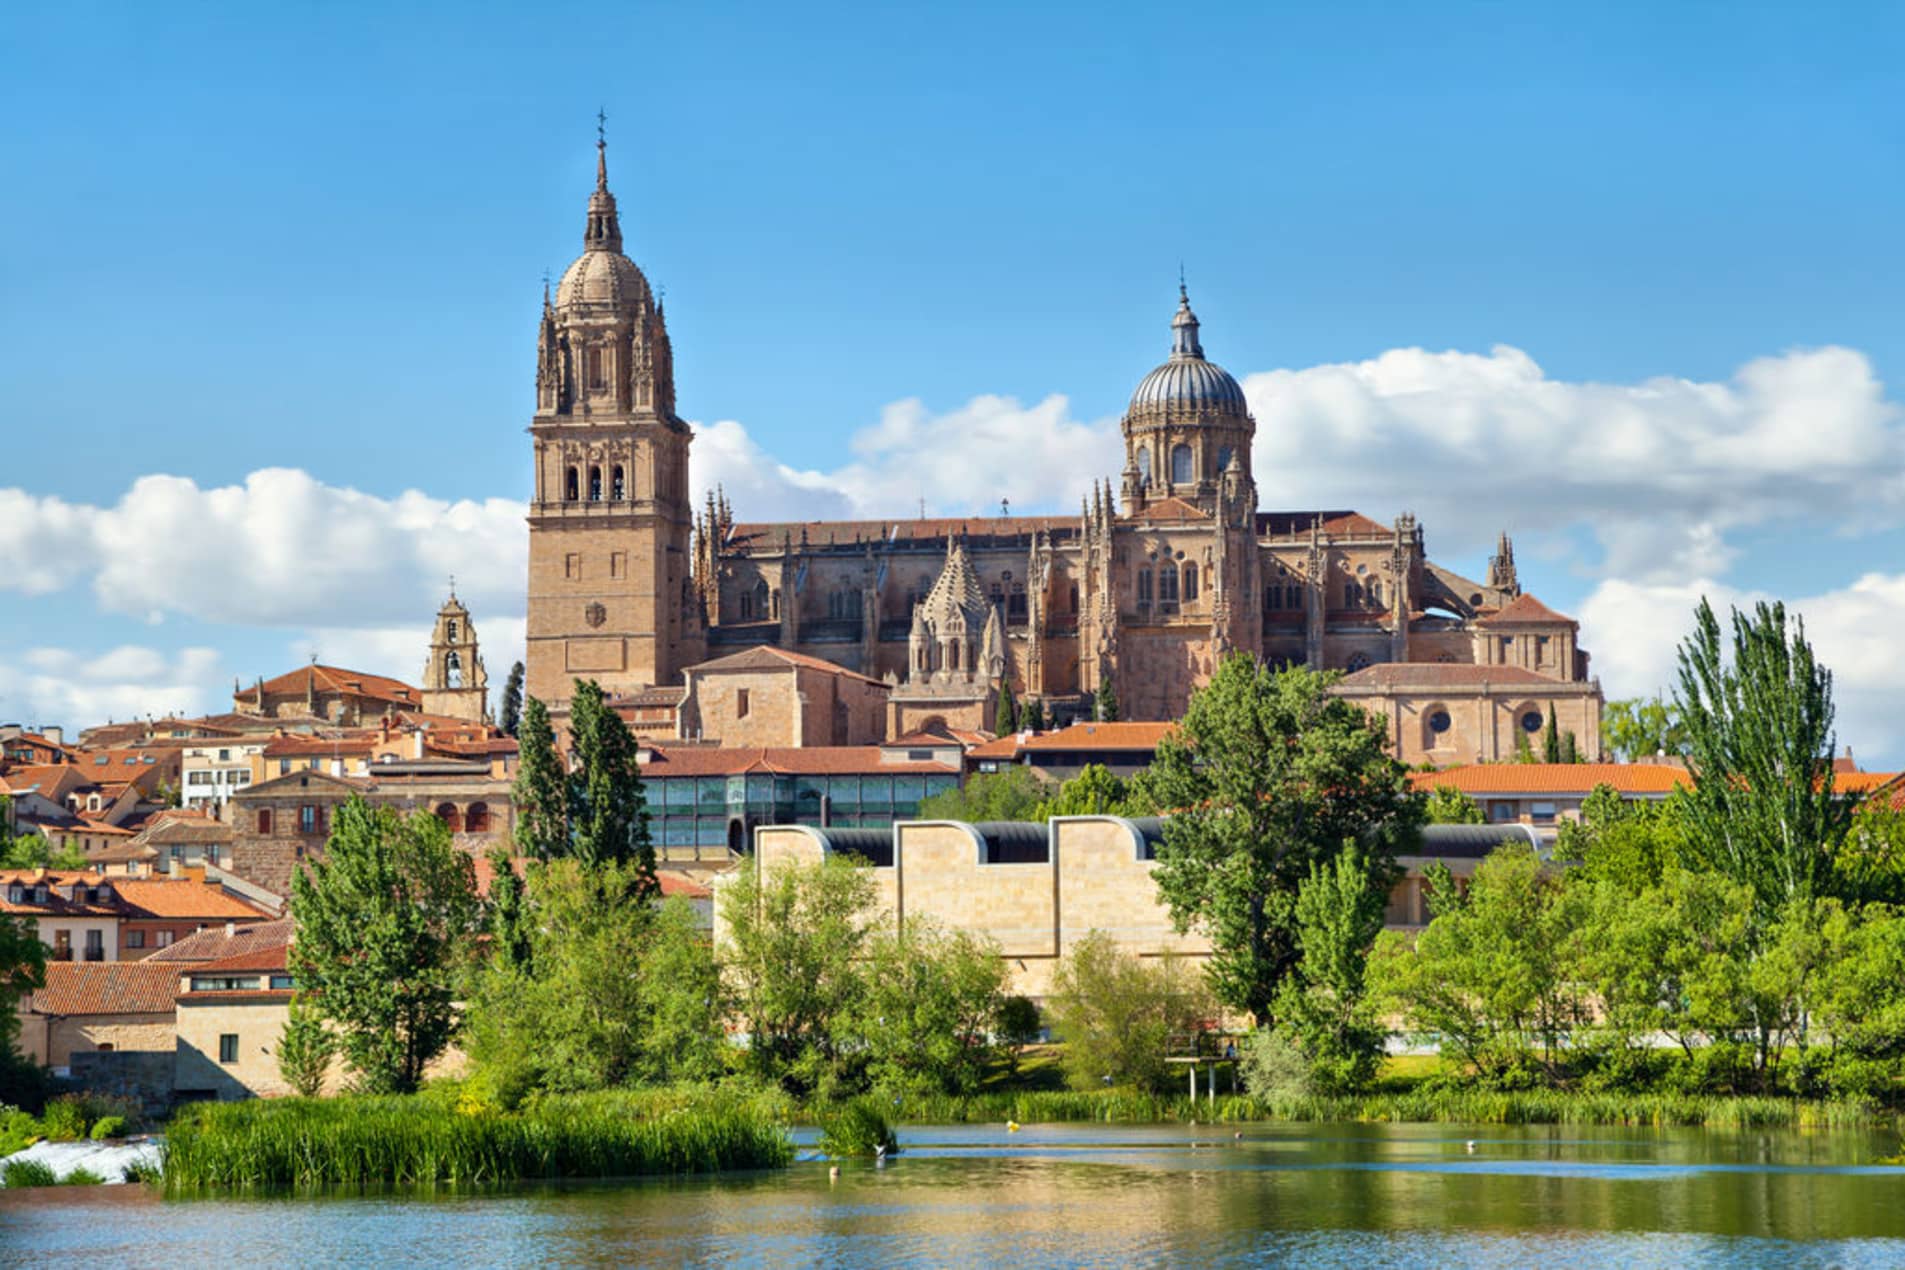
1422	674
1171	508
811	760
1524	609
262	957
182	898
338	680
1554	778
1122	735
213	944
106	987
768	656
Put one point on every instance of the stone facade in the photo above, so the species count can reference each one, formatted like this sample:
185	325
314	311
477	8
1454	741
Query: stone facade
769	697
1158	576
455	685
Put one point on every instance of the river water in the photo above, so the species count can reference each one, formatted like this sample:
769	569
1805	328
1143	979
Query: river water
1085	1195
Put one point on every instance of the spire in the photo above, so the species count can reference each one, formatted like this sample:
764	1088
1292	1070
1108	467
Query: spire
1184	326
604	232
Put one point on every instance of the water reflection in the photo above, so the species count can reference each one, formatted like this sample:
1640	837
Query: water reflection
1090	1195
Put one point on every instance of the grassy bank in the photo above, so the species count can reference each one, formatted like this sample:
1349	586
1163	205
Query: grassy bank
1420	1105
423	1140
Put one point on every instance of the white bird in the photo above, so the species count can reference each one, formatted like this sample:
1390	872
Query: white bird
1471	1146
833	1174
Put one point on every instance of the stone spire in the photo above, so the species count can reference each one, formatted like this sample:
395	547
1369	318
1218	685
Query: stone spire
1184	344
1501	567
604	232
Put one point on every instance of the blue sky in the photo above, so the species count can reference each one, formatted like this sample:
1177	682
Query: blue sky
312	238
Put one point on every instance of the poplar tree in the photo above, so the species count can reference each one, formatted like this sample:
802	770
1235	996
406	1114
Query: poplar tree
1762	810
608	812
1551	739
540	794
512	713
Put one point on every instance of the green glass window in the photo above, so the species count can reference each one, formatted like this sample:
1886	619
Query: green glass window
845	792
876	791
711	795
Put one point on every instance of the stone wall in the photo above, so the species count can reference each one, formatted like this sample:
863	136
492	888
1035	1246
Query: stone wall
145	1075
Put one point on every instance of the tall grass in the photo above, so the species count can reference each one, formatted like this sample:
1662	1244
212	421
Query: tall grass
1419	1105
421	1140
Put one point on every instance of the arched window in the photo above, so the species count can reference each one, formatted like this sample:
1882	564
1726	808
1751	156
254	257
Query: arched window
595	485
1167	583
450	816
1144	588
569	487
1181	465
453	670
1074	597
618	488
1190	582
1374	591
760	599
1358	661
449	631
477	818
1144	465
747	606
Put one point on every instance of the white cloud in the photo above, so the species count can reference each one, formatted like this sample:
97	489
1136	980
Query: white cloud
399	651
57	685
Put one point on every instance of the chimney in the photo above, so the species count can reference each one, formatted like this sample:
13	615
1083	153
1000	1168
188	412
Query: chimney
57	735
337	767
419	743
231	930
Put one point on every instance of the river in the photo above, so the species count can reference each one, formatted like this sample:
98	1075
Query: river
1085	1195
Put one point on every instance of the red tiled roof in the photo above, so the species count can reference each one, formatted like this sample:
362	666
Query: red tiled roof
214	944
1006	747
921	740
262	957
810	760
672	881
1554	778
183	898
1170	508
766	655
1428	674
106	987
335	679
42	776
1133	735
320	747
1523	609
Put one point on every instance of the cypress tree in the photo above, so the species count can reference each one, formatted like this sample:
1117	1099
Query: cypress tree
608	811
541	791
1551	739
1032	715
1105	702
512	714
1005	719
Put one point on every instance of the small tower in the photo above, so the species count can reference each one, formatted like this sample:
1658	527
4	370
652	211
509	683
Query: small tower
454	681
1501	567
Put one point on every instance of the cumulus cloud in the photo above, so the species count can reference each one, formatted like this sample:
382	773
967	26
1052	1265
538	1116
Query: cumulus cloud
1659	471
58	685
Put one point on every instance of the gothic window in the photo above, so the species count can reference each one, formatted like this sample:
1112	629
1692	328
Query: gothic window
1015	608
595	485
1296	596
453	670
1374	590
618	488
1358	661
1181	465
1352	594
1190	583
449	631
476	819
1167	583
844	604
1144	465
569	487
452	818
1144	588
1074	597
747	606
598	376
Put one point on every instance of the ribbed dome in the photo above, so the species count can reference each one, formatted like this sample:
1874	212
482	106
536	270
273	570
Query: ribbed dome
1188	382
600	277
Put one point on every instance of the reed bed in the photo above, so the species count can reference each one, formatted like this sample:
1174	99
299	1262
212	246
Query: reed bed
359	1141
1451	1106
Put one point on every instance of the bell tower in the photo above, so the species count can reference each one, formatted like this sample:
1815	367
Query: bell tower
610	523
454	681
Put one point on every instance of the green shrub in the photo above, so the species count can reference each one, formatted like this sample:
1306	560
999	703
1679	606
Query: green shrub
140	1171
18	1173
857	1129
1274	1065
82	1177
18	1130
65	1118
109	1127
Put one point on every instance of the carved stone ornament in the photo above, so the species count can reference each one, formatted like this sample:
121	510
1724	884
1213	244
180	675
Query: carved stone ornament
595	614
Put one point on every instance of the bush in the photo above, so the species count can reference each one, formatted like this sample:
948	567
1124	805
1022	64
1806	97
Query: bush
1274	1065
19	1173
65	1118
1120	1016
82	1177
18	1130
858	1128
1018	1027
140	1171
109	1127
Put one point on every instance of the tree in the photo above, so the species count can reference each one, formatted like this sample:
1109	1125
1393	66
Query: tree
1104	703
381	922
1570	748
541	791
506	915
608	812
22	970
1032	715
1005	719
1447	805
1762	809
1013	793
931	998
1268	774
1868	865
1325	1005
512	712
685	1004
1524	749
1120	1016
305	1048
1551	739
1632	845
1637	728
1093	792
1018	1027
793	961
35	851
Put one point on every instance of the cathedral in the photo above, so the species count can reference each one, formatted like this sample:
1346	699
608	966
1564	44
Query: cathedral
1160	573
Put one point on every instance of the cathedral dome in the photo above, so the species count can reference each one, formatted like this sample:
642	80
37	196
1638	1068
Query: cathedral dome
1188	382
601	278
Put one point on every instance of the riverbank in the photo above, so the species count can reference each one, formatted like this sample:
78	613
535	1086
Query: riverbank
427	1139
